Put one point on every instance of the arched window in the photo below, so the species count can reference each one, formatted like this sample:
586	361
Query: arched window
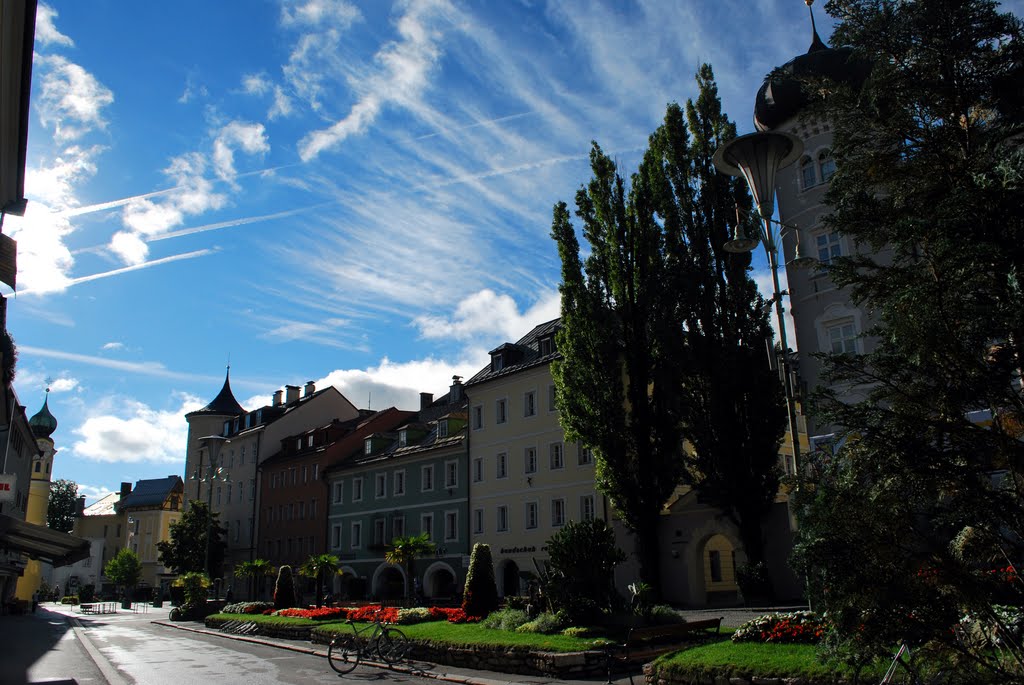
808	175
827	165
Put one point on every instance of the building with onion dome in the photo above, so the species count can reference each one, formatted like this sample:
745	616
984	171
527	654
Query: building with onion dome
42	424
825	318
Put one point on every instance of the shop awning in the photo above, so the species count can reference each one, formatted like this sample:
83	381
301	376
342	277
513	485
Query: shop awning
40	542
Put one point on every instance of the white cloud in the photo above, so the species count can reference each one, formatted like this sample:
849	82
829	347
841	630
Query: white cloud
318	13
192	90
249	137
402	74
486	313
93	493
282	106
256	84
113	346
71	99
129	246
63	384
46	29
128	431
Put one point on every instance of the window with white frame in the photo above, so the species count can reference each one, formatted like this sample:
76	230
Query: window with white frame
451	526
501	465
451	474
478	417
357	534
381	485
808	174
368	446
828	246
427	525
379	527
403	438
478	469
397	527
309	440
357	489
530	403
557	512
427	478
530	459
399	485
336	537
442	428
555	451
478	521
586	455
587	512
551	397
339	492
502	519
827	165
532	516
842	338
501	411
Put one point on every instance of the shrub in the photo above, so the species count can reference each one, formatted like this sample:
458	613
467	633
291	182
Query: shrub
284	588
194	586
516	602
505	619
546	623
579	631
754	582
662	615
580	578
416	615
69	599
481	593
247	607
804	627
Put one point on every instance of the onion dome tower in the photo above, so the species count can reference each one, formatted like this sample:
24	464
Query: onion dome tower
43	425
824	317
208	421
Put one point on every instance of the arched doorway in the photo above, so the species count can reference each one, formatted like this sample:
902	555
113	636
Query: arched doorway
719	561
439	581
510	579
389	583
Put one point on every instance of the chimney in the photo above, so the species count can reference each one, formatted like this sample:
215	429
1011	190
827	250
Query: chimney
310	388
426	398
455	392
291	393
126	489
80	506
277	397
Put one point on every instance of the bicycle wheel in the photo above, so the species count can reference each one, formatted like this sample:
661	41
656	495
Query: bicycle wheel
343	654
393	646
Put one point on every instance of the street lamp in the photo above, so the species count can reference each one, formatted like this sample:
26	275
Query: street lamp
757	157
214	473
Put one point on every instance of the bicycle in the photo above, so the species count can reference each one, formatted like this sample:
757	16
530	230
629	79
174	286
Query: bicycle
346	651
912	673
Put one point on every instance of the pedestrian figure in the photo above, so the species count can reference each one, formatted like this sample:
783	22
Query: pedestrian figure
56	594
35	600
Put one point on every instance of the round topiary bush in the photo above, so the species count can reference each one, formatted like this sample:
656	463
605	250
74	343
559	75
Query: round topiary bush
481	594
284	588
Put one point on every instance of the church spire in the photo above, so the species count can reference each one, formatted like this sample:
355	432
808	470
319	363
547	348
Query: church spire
816	42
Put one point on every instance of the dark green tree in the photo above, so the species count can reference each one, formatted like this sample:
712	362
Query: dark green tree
62	505
663	335
480	596
404	550
185	551
580	578
256	571
124	570
902	527
319	567
284	588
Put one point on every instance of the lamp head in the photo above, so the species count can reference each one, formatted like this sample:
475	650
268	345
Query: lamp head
757	157
803	259
741	241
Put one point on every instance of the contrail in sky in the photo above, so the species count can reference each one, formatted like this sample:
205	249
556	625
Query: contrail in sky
133	267
476	125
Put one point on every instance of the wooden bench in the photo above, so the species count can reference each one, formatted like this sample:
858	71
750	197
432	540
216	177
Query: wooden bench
651	641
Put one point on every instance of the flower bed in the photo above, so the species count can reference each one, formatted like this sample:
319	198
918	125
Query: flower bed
798	627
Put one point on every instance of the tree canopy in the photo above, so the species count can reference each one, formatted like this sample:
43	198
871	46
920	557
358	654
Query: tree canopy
124	569
404	550
62	505
185	551
319	567
903	527
663	334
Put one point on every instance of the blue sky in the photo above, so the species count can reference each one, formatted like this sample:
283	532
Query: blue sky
356	193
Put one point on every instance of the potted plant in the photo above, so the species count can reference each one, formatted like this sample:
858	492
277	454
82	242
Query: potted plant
158	597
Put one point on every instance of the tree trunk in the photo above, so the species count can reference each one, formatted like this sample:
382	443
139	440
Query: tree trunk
648	553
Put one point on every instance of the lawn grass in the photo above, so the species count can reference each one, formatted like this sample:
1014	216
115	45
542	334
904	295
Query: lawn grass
272	620
738	659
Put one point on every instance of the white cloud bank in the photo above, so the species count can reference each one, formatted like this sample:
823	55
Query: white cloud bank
128	431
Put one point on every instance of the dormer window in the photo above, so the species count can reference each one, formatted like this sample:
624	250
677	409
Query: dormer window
368	446
497	362
236	425
248	420
442	428
298	444
403	438
227	428
546	345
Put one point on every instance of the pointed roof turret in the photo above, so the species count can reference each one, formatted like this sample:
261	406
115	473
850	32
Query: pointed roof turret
43	424
782	96
224	404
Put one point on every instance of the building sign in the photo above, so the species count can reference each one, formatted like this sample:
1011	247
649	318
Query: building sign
8	486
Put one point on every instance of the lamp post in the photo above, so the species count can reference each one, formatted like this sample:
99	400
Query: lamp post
214	473
757	157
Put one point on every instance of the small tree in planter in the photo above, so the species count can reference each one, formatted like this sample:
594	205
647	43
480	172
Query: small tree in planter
284	589
480	596
124	571
194	587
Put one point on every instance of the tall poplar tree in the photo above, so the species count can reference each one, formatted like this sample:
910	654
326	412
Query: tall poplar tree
904	526
663	334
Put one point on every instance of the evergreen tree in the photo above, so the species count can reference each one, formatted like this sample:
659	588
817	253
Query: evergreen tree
581	570
480	596
284	589
663	335
62	505
185	551
904	524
